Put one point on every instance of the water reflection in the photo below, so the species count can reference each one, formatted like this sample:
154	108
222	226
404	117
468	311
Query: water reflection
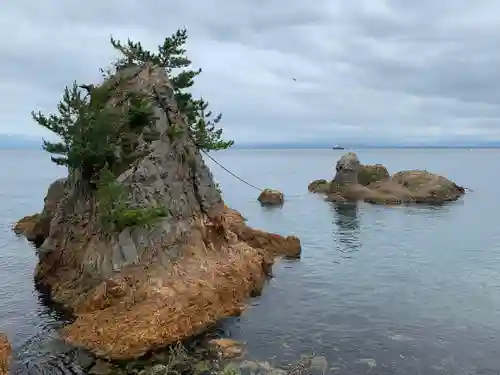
50	308
347	222
44	352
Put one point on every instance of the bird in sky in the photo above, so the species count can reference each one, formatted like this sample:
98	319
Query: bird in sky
295	79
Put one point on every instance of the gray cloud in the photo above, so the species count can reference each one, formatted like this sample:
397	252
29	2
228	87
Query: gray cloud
365	70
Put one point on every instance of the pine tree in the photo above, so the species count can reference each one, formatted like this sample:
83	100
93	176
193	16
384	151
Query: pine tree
171	56
93	134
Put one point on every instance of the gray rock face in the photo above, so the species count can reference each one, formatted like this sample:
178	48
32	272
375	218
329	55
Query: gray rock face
55	194
172	174
347	169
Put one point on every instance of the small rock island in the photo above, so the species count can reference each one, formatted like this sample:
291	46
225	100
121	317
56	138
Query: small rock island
270	197
139	244
354	181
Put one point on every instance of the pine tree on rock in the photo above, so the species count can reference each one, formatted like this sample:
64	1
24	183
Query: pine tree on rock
171	56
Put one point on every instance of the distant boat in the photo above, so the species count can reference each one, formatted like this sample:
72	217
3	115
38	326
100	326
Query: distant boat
337	148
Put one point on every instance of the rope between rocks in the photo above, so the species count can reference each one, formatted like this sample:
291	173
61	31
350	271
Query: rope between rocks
258	188
242	180
231	173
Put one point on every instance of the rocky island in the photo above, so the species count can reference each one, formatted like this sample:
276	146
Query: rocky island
137	240
354	181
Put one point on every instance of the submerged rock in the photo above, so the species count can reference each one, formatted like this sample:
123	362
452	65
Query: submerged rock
227	348
270	197
318	365
251	366
372	183
104	368
140	289
5	354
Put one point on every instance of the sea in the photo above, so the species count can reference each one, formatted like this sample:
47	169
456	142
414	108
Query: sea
377	290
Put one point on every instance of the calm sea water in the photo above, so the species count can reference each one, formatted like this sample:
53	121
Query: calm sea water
378	290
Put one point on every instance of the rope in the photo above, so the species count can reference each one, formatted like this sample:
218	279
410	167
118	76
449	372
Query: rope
242	180
255	187
231	173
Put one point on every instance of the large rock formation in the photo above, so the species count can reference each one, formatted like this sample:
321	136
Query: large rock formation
5	354
347	169
146	287
372	183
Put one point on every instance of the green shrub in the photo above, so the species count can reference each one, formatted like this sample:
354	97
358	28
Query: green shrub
100	127
94	134
114	210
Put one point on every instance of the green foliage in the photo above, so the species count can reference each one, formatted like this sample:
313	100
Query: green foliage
99	127
93	133
114	209
171	56
218	188
173	133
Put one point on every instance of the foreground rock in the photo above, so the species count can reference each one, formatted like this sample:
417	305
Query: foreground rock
36	227
372	183
5	354
270	197
227	348
26	227
141	289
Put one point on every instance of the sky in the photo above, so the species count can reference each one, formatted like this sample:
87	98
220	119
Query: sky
366	71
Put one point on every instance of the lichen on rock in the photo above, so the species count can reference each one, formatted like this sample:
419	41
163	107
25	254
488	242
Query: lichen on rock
319	186
354	181
137	288
369	173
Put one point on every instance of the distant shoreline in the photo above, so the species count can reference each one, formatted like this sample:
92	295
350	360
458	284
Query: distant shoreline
38	147
347	148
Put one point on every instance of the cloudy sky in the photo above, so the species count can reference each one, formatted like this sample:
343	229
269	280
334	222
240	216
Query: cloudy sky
392	70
